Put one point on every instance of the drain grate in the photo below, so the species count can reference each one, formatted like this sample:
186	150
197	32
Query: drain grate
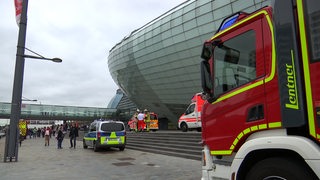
150	164
122	164
126	159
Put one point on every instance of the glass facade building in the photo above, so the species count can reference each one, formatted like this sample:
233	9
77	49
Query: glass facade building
125	108
158	65
121	101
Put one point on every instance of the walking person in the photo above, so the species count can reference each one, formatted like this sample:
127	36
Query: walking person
140	121
38	133
53	129
30	131
21	138
73	136
147	119
60	137
43	130
34	132
46	136
135	121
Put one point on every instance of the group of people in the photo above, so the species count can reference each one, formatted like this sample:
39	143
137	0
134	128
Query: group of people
142	118
38	132
73	134
58	131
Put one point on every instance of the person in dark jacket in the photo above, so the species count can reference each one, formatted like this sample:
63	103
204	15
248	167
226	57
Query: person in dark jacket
60	137
73	136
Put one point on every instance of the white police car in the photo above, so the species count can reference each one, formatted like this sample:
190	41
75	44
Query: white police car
105	134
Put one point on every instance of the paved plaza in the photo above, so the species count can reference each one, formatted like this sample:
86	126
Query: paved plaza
37	162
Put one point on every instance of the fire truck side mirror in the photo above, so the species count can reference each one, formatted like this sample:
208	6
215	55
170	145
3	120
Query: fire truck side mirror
206	77
206	51
232	55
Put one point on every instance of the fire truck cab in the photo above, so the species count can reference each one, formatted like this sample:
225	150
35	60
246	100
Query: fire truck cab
191	119
261	75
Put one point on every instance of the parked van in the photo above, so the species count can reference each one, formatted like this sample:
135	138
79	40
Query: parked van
191	119
105	134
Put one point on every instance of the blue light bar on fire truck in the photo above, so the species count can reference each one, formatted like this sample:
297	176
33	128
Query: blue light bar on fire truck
229	21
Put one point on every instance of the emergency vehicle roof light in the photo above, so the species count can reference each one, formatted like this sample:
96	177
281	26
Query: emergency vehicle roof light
229	21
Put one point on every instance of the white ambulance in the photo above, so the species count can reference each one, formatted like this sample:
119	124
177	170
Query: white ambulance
191	119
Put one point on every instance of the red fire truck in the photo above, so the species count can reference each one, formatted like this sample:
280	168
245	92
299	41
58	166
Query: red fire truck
191	119
261	77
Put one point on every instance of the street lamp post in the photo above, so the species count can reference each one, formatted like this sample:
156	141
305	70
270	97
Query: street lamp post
11	146
39	56
57	60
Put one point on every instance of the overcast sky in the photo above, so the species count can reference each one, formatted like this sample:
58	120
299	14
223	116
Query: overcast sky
81	32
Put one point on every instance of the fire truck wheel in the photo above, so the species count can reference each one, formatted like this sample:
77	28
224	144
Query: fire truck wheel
279	168
184	127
